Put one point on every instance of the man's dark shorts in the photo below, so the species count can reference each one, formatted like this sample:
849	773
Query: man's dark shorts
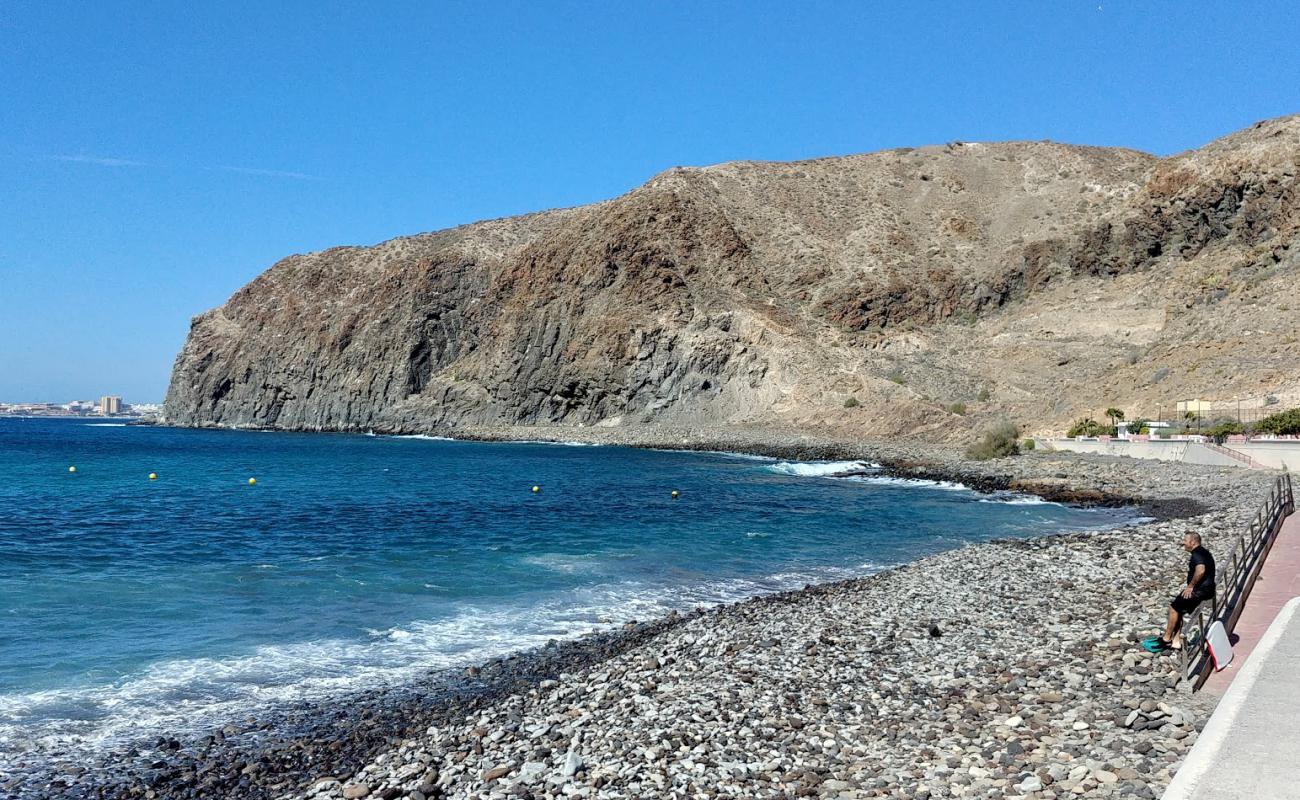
1186	605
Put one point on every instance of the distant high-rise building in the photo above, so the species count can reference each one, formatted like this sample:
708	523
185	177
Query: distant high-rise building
110	404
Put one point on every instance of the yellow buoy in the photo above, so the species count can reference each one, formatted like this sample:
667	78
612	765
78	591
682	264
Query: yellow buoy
537	488
674	494
72	469
153	476
252	481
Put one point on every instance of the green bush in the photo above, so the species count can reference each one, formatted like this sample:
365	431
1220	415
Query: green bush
958	408
1280	424
1087	427
1139	426
984	395
897	377
852	402
1000	440
1028	444
1223	428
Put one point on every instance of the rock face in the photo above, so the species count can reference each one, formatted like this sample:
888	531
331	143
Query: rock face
1036	280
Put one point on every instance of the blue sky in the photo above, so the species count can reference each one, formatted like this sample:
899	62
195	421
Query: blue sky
155	157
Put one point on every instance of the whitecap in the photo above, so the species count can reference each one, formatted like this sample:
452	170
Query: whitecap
566	563
820	469
1013	499
889	480
424	436
739	456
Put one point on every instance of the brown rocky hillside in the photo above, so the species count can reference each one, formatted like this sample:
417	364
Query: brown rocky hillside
1031	280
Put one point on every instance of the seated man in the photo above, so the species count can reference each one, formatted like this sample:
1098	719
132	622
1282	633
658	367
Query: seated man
1200	587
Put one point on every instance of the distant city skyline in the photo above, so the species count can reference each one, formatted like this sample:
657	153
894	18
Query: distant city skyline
106	405
157	160
93	400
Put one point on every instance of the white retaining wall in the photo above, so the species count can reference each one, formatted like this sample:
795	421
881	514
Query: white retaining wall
1278	454
1159	449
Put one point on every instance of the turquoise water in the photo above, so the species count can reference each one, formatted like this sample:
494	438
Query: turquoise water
129	605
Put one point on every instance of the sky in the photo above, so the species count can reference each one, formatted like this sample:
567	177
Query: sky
154	157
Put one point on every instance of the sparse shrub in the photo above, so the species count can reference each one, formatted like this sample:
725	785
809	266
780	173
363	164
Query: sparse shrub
852	402
999	441
957	408
897	377
983	396
1028	444
1159	375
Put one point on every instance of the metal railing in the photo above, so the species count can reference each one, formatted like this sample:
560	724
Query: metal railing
1235	579
1234	454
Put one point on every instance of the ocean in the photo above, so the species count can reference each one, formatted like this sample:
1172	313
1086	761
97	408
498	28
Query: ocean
131	607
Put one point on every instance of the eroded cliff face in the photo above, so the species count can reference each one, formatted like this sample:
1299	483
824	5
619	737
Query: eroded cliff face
1034	280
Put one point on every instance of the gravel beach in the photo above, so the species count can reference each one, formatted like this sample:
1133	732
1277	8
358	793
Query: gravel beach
1006	669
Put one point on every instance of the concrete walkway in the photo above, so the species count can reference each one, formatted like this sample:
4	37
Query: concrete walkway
1248	748
1278	582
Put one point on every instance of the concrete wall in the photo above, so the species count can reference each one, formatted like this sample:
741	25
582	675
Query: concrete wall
1282	454
1200	454
1159	449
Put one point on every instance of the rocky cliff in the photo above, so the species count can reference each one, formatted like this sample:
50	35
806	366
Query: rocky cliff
879	293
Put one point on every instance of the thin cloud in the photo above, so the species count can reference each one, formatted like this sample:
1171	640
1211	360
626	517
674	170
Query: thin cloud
100	161
272	173
105	161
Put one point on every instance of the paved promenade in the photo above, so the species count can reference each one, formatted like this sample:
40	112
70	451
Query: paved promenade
1249	745
1278	582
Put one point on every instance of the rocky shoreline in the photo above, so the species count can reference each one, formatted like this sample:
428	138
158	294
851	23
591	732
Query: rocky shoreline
1003	669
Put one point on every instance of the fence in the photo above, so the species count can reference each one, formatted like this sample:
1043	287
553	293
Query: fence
1206	413
1236	579
1246	461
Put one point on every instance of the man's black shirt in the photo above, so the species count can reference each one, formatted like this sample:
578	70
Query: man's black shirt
1199	556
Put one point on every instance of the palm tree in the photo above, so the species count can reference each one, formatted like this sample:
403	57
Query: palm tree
1116	416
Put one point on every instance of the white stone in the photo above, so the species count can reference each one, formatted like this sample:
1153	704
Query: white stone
572	763
1031	784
